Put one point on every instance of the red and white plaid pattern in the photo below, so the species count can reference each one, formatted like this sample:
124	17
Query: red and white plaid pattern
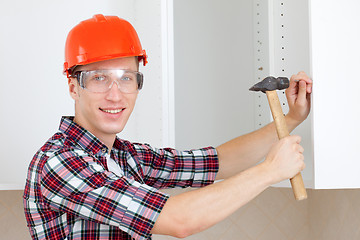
71	194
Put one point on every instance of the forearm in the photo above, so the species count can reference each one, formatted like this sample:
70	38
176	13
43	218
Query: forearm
197	210
247	150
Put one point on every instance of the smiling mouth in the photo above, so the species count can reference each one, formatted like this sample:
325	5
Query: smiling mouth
113	111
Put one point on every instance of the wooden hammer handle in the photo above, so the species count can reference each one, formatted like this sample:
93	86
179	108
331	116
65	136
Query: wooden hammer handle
282	131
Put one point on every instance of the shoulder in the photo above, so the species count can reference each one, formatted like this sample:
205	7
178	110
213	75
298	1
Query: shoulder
57	142
56	150
60	149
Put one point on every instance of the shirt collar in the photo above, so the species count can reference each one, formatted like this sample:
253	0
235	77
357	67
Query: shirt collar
81	136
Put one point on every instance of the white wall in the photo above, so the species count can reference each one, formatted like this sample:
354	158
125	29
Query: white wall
214	67
33	89
213	71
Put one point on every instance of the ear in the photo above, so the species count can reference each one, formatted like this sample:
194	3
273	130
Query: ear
73	88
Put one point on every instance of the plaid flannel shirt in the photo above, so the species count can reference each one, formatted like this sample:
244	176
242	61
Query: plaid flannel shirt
71	194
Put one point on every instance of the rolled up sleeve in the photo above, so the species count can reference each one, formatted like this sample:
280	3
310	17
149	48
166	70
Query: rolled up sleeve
166	168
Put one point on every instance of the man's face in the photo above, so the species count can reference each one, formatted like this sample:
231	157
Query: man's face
104	114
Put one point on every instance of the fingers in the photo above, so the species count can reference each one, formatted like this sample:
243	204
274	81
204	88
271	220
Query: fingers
298	153
302	76
301	163
299	149
286	158
302	91
302	166
295	138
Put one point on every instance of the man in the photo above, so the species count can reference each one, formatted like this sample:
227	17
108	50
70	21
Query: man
86	183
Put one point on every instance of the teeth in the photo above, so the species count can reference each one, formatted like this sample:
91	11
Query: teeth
112	111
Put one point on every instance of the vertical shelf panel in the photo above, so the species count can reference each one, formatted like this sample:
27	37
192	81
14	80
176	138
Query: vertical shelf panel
289	54
146	122
335	38
261	59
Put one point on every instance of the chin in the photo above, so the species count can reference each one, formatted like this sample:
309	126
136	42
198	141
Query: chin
114	129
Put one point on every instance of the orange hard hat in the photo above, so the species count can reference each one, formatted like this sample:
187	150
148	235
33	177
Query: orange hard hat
101	38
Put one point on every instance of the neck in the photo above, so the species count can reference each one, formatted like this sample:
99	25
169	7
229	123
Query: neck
107	140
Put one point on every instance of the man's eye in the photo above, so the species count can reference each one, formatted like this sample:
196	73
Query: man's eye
128	78
99	78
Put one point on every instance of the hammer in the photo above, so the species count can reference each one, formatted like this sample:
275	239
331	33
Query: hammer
269	86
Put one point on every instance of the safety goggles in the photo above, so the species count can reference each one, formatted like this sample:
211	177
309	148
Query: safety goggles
100	81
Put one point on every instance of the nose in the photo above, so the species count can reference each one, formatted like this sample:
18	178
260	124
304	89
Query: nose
114	92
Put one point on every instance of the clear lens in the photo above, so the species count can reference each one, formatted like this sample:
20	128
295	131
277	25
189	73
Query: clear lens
102	80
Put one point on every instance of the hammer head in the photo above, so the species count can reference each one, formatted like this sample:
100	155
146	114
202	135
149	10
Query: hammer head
270	84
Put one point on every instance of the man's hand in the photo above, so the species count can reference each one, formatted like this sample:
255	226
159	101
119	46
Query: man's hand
285	159
247	150
194	211
298	97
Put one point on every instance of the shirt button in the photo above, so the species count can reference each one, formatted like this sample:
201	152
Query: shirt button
103	150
